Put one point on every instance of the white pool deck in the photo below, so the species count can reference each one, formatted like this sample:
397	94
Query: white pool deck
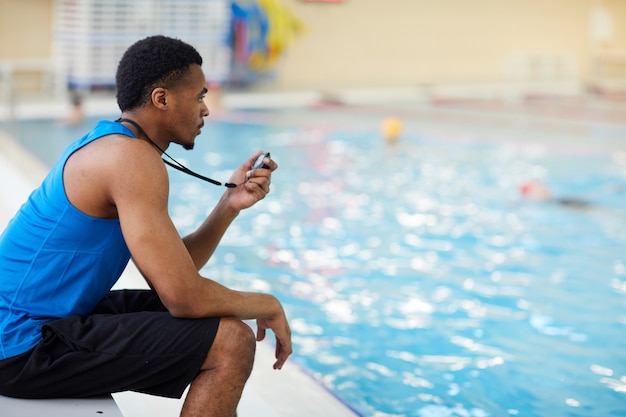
289	392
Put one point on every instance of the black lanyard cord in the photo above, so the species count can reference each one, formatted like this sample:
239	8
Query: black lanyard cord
174	164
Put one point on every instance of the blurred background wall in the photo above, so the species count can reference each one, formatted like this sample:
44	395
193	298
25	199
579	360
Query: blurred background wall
362	42
375	43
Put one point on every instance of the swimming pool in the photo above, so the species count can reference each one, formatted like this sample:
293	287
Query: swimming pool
417	280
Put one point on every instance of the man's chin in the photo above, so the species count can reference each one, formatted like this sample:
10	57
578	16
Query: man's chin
188	146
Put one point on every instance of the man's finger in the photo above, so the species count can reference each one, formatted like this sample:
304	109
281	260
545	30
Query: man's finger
260	334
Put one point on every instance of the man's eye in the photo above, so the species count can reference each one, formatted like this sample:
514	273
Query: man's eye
201	97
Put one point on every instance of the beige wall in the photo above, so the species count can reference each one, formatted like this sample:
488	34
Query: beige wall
374	42
25	28
25	35
394	42
617	10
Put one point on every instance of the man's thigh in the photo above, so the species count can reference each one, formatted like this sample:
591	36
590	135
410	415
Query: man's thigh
147	351
129	301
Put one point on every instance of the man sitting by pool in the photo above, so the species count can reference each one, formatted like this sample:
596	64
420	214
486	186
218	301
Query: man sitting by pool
63	333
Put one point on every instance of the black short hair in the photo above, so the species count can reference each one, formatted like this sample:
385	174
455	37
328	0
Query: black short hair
156	61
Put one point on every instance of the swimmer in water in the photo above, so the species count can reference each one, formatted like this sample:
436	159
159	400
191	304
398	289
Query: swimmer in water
538	191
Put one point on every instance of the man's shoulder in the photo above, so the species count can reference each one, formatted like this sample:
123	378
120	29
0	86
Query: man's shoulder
114	171
121	147
118	156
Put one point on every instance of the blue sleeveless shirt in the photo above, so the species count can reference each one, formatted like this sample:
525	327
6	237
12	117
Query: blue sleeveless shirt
56	261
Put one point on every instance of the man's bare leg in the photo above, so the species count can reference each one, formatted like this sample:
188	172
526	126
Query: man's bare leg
217	389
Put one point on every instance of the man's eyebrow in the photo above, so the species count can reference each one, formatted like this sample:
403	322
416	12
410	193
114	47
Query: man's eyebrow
204	91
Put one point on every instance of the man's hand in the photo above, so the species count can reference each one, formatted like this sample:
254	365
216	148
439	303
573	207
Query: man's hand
281	330
252	185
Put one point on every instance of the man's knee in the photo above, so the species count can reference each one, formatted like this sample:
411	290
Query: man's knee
234	344
238	333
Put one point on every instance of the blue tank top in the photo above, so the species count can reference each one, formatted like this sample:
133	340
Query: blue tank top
56	261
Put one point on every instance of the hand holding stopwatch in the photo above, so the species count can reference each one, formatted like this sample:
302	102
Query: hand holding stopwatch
258	163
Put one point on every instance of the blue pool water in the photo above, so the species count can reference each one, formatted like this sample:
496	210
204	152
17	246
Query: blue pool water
417	281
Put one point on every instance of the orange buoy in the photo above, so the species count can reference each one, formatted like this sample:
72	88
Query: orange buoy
391	129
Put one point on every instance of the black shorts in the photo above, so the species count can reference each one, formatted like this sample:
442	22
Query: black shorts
129	343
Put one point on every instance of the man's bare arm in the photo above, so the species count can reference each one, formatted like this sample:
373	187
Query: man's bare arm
253	187
138	185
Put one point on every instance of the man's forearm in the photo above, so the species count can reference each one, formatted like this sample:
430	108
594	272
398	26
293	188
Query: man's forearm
208	298
202	243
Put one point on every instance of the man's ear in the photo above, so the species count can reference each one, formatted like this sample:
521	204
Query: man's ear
159	97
